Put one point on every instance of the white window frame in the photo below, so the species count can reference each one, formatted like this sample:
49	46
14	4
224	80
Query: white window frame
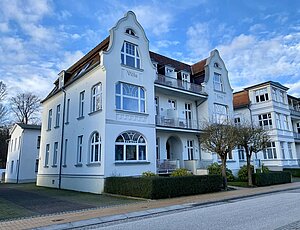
278	120
218	83
131	94
290	150
282	149
172	104
96	97
65	153
55	154
261	95
270	151
241	153
68	111
57	118
95	148
79	149
286	122
265	121
49	119
81	103
47	153
130	50
190	149
133	140
220	113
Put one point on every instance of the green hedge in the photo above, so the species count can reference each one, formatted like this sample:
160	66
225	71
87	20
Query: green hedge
294	171
162	187
265	179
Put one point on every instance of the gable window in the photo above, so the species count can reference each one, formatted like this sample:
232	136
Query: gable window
46	163
96	98
95	148
130	146
265	121
81	104
130	55
130	97
270	151
261	95
218	84
130	32
220	113
49	119
55	152
57	116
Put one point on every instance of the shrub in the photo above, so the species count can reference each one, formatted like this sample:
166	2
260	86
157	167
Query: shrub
148	174
294	171
265	179
265	169
181	172
243	173
162	187
215	169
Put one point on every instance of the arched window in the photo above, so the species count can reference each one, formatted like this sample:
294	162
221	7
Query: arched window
130	146
96	103
130	55
130	31
130	97
95	148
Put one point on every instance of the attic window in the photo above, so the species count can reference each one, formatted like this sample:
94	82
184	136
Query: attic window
216	64
130	31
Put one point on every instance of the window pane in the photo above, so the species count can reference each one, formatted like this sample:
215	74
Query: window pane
97	152
118	88
118	102
130	104
142	92
138	65
142	152
142	106
131	152
130	61
119	152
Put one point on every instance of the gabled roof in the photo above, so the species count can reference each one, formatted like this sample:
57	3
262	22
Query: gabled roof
277	84
29	126
199	66
163	60
241	99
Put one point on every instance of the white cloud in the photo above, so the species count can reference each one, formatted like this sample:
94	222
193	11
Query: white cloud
69	58
198	40
252	60
294	88
166	43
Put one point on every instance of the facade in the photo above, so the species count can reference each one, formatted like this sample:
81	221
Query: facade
269	106
122	110
23	153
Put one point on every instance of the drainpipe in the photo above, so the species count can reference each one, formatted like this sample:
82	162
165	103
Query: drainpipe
62	138
19	159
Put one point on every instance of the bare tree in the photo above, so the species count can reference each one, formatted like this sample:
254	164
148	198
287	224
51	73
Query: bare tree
220	139
25	106
3	109
253	140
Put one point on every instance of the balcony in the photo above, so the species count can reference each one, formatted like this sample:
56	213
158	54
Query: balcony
172	122
297	136
294	112
179	84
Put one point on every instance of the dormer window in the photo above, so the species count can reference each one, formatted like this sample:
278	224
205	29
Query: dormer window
130	32
185	77
130	55
169	71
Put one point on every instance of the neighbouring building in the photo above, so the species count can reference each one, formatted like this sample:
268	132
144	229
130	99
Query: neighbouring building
122	110
23	153
269	106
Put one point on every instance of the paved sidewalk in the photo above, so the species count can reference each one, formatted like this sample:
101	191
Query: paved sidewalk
104	215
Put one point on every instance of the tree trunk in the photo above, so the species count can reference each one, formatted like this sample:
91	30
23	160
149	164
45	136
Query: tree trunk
224	177
248	156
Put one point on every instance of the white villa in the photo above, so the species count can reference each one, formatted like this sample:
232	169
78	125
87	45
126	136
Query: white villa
23	153
268	105
123	110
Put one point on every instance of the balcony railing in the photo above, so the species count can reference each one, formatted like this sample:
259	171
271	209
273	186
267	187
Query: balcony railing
294	112
176	122
297	135
179	84
167	166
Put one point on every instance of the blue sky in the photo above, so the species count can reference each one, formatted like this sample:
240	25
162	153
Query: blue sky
258	40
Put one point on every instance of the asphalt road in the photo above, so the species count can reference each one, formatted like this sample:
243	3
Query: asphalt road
278	210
